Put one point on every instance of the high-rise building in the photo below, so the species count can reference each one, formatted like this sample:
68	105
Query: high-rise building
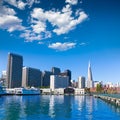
58	81
31	77
14	70
89	82
46	78
4	77
67	73
81	82
4	74
118	84
55	71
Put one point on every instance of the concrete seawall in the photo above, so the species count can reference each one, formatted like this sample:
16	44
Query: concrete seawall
111	100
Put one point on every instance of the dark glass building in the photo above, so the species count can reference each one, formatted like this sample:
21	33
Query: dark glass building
14	70
46	78
31	77
67	73
55	71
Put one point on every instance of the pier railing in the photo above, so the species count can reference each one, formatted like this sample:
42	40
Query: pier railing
111	98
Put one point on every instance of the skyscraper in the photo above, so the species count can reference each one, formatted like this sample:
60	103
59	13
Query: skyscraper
4	77
67	73
58	81
55	71
81	82
46	78
31	77
14	70
89	82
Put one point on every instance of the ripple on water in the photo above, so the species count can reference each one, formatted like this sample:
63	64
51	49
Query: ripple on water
53	107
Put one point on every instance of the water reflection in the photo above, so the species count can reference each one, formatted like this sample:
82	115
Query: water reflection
30	106
12	107
53	107
80	101
59	106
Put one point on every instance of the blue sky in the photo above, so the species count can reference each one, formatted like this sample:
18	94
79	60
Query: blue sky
63	33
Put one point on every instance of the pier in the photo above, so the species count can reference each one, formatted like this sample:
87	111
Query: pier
109	99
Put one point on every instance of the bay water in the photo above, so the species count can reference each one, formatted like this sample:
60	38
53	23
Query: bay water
56	107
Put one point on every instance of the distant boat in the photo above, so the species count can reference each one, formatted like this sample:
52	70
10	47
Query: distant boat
27	91
19	91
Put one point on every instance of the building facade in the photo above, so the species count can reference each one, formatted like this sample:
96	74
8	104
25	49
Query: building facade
89	82
3	78
79	91
46	78
14	70
67	73
55	71
81	82
31	77
57	81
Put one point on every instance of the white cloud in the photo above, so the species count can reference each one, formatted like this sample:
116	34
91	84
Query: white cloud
39	27
19	4
39	14
6	11
62	46
37	1
70	24
30	35
59	19
72	2
9	21
31	2
62	21
47	34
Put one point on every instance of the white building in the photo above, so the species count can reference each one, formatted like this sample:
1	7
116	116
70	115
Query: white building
109	84
81	82
4	74
59	91
45	90
3	78
57	81
89	84
118	84
79	91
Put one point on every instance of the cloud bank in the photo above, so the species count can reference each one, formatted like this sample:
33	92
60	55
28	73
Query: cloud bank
9	20
41	24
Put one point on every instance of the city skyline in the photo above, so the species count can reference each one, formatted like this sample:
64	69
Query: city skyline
64	34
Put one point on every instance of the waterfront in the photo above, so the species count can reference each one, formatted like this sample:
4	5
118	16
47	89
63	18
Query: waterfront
111	95
110	98
54	107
